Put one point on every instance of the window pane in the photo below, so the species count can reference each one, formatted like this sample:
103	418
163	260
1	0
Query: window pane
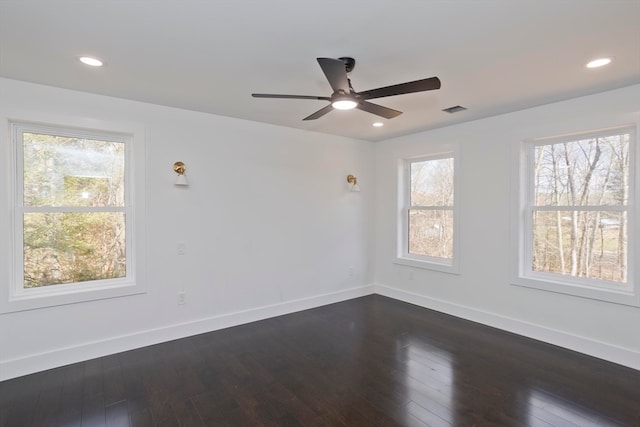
589	244
588	172
68	171
432	183
431	233
73	247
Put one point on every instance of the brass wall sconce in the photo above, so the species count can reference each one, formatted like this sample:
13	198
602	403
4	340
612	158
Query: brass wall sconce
353	183
180	168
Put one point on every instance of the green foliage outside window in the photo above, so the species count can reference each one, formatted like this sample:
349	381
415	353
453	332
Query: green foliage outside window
74	216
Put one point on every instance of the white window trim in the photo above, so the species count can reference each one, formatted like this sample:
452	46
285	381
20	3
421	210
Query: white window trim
520	269
403	257
13	296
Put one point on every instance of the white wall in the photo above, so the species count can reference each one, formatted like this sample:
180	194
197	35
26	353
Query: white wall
267	221
270	228
482	292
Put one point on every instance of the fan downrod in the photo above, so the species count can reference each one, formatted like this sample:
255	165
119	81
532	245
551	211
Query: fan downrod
349	63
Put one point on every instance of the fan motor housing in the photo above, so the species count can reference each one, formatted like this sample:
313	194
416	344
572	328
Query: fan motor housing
349	63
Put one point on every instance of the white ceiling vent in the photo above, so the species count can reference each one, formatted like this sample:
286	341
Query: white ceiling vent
454	109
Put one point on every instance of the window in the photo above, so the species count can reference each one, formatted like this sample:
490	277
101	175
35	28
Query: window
428	215
73	215
577	220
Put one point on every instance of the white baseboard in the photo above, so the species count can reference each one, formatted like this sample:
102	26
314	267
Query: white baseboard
64	356
601	350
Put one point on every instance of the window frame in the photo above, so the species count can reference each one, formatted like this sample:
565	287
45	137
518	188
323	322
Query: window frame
522	268
403	257
15	297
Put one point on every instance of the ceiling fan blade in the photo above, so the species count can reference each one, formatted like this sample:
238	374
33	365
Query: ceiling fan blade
268	95
402	88
321	112
378	110
336	73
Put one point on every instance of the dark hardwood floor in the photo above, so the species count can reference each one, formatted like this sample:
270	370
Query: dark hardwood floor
371	361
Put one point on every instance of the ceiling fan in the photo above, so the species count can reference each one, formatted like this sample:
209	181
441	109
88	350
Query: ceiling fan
345	98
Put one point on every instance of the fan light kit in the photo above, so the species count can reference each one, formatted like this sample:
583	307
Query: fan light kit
345	98
344	104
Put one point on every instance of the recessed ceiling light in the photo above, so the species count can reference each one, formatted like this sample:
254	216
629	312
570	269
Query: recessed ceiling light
378	124
600	62
94	62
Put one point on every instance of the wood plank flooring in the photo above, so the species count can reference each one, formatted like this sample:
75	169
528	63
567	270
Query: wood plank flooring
371	361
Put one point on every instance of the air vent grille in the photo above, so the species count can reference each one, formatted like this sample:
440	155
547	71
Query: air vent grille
454	109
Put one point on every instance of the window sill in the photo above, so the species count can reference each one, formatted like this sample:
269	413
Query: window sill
622	297
43	298
427	264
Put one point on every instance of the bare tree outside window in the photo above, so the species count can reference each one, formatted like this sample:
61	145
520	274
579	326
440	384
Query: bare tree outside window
431	208
580	206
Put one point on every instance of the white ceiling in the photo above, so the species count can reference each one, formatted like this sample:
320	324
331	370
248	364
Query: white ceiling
492	56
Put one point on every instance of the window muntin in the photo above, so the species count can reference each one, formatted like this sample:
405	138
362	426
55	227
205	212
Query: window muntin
577	218
428	213
72	216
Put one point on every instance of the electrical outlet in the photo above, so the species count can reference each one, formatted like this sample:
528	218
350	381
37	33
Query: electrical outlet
350	272
182	249
182	298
